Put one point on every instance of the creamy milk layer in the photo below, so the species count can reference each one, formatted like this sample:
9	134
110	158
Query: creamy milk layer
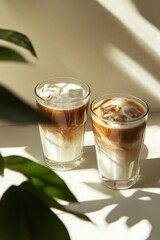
58	148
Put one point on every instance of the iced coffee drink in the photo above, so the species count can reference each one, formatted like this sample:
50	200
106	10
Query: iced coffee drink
65	102
119	123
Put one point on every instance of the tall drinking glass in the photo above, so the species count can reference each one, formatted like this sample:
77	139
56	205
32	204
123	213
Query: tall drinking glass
119	123
65	102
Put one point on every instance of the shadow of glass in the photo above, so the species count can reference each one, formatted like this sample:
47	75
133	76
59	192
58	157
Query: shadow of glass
150	176
89	158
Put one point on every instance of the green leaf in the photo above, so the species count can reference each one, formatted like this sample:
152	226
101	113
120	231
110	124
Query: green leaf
7	54
18	39
51	202
1	165
41	177
15	110
24	217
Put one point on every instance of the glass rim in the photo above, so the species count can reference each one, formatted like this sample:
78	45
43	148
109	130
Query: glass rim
61	80
130	96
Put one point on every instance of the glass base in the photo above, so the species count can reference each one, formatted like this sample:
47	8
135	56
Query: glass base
119	184
63	166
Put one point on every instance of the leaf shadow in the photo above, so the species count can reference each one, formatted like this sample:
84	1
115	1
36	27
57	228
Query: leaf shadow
137	207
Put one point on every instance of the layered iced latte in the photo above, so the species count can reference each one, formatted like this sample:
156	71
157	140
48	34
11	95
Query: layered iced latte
119	123
65	102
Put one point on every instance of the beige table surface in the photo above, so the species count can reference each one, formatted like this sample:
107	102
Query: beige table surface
132	214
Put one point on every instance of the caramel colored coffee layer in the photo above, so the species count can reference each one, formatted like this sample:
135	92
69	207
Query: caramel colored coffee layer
68	123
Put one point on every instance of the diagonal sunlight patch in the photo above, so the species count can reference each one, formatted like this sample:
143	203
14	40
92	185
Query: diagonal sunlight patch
145	33
137	231
133	69
19	151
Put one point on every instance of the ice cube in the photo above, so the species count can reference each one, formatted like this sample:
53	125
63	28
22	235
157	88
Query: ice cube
108	110
132	112
118	118
51	87
75	93
49	92
121	118
119	101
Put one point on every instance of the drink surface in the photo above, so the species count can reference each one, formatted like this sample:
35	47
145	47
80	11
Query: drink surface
120	109
61	95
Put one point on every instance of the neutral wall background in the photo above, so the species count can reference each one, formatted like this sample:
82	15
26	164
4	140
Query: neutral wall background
114	46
